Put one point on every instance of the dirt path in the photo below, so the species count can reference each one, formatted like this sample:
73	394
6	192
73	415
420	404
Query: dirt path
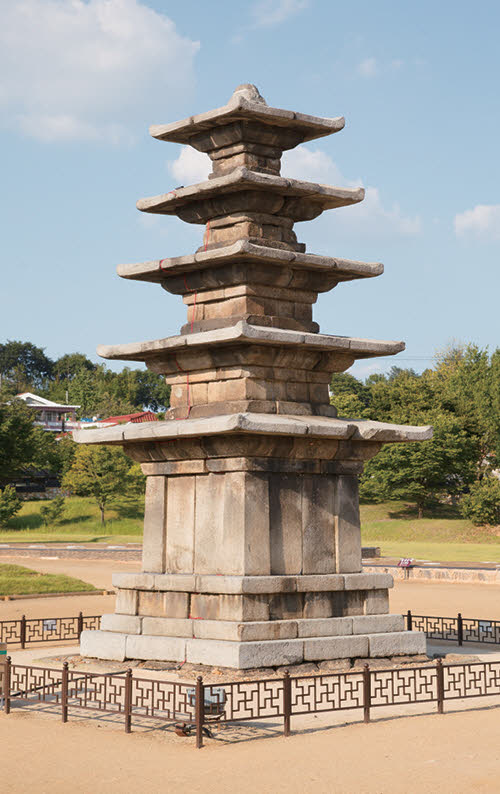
428	753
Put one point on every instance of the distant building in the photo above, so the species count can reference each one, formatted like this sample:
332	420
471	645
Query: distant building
51	416
139	416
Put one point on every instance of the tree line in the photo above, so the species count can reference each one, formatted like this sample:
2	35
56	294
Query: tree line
460	398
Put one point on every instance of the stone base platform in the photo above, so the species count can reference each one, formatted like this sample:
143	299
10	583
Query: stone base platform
243	655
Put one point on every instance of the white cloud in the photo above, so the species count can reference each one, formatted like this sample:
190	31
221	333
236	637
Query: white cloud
368	67
483	221
267	13
89	70
371	216
190	167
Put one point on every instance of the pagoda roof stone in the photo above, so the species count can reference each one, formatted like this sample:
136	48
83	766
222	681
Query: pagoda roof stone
246	103
244	251
317	197
244	333
254	423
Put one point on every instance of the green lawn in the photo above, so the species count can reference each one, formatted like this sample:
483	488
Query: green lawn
442	536
79	524
18	580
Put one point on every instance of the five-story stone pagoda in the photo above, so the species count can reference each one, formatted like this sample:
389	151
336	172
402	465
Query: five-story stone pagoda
252	548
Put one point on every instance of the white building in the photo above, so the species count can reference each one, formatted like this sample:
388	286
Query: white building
50	415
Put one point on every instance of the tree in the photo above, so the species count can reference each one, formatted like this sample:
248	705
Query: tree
24	365
18	439
52	511
99	472
10	504
482	504
67	366
350	397
425	472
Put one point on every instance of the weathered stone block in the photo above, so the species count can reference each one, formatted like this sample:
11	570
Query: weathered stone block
164	605
141	646
180	525
397	643
319	583
286	606
347	525
155	511
124	624
229	607
285	523
127	602
179	582
245	632
323	605
168	627
368	581
377	602
318	525
103	645
335	648
133	581
324	627
244	655
374	624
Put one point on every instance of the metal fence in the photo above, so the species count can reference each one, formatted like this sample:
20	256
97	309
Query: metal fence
456	629
198	707
28	631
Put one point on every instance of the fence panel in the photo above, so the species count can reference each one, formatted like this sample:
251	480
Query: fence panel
327	693
403	685
476	679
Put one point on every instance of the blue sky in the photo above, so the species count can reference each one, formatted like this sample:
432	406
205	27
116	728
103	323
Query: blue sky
417	84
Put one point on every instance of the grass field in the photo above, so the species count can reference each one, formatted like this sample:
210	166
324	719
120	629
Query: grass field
393	526
18	580
442	536
80	523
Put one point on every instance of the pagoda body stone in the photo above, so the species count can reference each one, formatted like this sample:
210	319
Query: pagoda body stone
252	544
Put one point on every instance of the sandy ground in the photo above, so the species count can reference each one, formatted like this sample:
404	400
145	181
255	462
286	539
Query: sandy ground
419	752
456	752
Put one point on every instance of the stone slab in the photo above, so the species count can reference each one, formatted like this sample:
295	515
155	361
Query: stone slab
397	643
376	624
103	645
367	581
124	624
144	646
167	627
324	627
244	655
335	648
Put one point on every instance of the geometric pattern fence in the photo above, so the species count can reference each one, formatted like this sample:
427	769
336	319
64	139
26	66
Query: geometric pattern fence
457	629
27	631
199	706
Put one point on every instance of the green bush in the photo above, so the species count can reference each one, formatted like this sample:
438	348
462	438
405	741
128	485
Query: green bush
482	504
10	504
52	511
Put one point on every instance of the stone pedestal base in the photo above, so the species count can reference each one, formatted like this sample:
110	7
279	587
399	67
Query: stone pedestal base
244	622
243	655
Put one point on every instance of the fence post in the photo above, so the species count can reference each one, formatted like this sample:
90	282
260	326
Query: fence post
460	629
64	692
6	685
409	619
128	701
22	633
79	628
367	694
199	710
287	702
440	685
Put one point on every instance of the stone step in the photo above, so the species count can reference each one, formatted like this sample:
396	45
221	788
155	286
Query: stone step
244	655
